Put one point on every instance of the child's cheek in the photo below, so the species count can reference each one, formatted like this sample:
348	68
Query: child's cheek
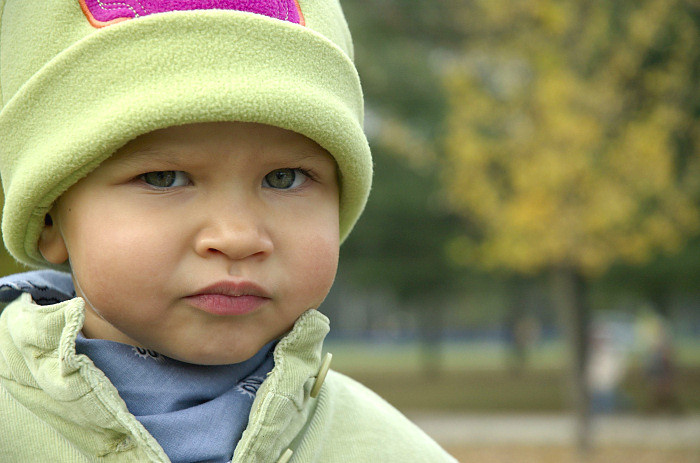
321	267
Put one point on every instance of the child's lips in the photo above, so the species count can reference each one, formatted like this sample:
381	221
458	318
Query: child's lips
229	298
220	304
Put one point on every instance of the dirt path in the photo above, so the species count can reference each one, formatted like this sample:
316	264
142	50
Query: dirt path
544	438
530	454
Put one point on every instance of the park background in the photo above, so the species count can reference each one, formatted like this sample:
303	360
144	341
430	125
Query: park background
524	280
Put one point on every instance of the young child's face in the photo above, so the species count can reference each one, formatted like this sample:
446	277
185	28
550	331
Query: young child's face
203	242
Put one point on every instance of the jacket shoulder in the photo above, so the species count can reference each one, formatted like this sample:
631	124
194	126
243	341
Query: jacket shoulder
358	425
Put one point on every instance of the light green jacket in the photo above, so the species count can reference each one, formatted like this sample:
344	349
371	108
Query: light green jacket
56	406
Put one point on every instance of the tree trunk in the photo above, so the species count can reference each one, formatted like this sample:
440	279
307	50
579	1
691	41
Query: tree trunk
431	333
569	293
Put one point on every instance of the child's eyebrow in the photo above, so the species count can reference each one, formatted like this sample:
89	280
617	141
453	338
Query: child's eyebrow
151	154
311	156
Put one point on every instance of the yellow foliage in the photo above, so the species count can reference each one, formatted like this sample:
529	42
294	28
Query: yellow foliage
561	136
401	140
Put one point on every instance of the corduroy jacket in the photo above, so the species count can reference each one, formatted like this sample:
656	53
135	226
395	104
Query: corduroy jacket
57	406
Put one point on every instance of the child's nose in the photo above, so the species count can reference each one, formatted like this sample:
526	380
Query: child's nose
235	234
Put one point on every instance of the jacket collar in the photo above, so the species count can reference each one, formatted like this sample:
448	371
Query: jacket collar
283	404
38	344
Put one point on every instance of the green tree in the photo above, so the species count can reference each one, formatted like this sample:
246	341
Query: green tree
398	245
572	141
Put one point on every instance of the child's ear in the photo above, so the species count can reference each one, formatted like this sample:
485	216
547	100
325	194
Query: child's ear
51	244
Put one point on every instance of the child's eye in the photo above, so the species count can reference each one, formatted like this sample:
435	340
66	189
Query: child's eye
285	179
166	178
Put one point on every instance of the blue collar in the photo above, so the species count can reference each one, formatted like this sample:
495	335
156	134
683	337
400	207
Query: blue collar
195	412
45	286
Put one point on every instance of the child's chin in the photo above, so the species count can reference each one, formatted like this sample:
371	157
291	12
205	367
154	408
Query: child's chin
224	357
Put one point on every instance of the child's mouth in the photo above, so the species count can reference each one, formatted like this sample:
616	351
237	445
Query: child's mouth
229	298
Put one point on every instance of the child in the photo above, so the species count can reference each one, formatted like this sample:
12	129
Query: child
194	165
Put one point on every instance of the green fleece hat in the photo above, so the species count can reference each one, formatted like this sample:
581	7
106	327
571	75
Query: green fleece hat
80	78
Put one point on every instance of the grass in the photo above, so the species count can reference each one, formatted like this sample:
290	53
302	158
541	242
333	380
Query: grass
468	391
479	378
357	356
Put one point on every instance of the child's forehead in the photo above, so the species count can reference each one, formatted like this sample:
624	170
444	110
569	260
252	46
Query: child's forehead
208	141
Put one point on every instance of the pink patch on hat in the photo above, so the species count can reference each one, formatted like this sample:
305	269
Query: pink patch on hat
103	13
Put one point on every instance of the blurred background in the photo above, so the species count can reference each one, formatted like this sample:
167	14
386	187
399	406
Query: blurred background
525	280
